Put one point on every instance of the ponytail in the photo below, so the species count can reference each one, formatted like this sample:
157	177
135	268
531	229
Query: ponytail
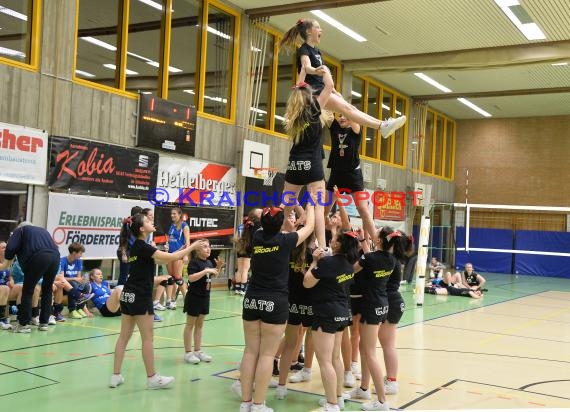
296	35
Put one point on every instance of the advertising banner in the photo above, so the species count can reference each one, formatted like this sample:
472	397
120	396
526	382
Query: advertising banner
94	167
93	221
23	154
184	180
216	225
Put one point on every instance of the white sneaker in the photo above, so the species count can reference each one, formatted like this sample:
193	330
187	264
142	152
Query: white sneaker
159	382
390	387
51	320
260	408
43	327
303	375
190	357
328	251
22	328
349	381
375	406
329	406
273	383
245	407
340	404
203	357
172	305
5	326
281	392
35	321
236	389
391	125
158	306
116	380
356	371
358	393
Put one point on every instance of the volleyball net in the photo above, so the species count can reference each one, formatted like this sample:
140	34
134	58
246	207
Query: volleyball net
525	240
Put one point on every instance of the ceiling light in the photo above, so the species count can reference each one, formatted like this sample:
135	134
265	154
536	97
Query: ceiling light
12	53
261	112
83	73
99	43
355	94
152	4
146	92
279	117
189	91
170	68
431	81
13	13
560	64
474	107
338	25
218	33
514	11
113	67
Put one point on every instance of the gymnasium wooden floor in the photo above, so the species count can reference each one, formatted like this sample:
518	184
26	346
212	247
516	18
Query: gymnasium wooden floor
509	350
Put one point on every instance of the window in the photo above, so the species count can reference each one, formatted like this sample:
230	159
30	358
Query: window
184	51
387	102
261	99
449	149
98	42
371	134
143	49
285	79
399	139
439	136
217	67
428	143
19	22
380	103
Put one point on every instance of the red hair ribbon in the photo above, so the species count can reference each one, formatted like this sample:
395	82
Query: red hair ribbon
411	238
300	21
247	221
351	234
301	85
273	211
395	233
128	220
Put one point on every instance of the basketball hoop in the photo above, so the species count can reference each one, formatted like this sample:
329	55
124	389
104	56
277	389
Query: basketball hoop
266	173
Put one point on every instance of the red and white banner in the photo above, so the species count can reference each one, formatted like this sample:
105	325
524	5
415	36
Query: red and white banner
93	221
23	154
188	181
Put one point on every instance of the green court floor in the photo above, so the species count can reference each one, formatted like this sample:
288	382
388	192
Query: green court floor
68	367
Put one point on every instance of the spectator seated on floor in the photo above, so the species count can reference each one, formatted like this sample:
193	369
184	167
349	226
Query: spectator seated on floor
435	268
447	287
471	279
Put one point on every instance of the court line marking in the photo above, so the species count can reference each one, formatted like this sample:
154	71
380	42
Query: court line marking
497	333
526	325
543	382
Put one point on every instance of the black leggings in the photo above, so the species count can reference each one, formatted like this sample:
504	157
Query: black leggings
43	264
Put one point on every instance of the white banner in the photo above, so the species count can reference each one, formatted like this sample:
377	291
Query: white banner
23	154
196	182
93	221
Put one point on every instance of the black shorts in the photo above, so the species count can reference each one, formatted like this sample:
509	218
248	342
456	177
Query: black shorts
195	305
331	324
106	313
268	309
303	172
396	307
352	180
300	314
134	306
356	305
374	313
244	255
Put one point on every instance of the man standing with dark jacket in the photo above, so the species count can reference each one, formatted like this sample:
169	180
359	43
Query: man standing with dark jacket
39	257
